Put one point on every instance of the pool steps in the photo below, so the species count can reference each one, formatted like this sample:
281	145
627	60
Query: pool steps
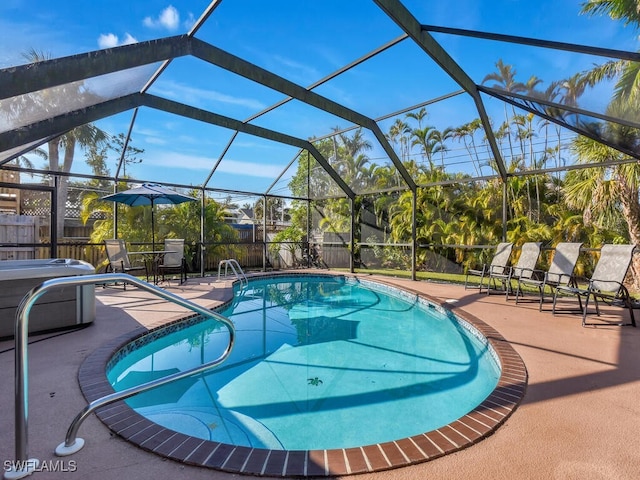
72	444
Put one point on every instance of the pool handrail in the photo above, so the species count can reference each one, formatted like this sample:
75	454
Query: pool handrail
71	443
232	263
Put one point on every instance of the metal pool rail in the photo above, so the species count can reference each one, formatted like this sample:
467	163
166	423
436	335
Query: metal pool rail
24	466
235	267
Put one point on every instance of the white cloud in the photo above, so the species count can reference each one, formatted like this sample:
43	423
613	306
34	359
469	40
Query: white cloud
168	19
156	141
129	39
196	162
107	40
189	22
187	94
251	169
110	40
293	65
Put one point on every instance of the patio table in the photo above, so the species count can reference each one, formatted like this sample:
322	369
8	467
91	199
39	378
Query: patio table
153	259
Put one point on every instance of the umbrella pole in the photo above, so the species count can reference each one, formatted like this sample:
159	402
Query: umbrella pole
154	263
153	228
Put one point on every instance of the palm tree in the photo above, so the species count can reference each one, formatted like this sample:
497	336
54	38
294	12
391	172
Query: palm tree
398	136
525	134
627	73
354	144
25	162
423	137
418	116
83	136
183	221
505	79
572	89
626	10
604	193
440	137
468	130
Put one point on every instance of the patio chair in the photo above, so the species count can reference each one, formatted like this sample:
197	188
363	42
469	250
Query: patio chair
498	265
524	268
173	262
605	284
560	272
119	259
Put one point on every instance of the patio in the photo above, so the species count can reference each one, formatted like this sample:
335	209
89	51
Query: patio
578	419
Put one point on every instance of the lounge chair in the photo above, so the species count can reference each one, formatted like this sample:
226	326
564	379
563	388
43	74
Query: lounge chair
119	259
173	262
524	268
605	284
565	257
499	265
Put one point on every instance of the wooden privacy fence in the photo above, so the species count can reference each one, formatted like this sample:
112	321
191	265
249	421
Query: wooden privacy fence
17	230
248	255
89	252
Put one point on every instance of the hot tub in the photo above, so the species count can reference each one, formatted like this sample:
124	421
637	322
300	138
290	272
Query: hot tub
59	308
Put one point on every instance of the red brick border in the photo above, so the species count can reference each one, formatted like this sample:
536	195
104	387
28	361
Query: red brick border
469	429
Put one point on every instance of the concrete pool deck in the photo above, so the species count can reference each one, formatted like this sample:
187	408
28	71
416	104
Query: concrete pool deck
579	418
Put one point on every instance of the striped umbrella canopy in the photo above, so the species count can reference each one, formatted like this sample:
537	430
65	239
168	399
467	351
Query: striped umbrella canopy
149	194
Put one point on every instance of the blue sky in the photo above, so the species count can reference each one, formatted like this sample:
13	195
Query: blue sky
302	41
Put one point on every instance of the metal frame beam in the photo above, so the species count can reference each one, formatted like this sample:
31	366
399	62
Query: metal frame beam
286	100
49	73
568	126
231	63
500	94
535	42
68	121
71	120
273	184
26	149
123	154
230	123
408	23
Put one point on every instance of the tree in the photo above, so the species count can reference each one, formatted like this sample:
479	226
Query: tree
626	10
424	138
626	73
173	221
468	130
25	162
275	210
85	136
505	79
624	104
398	136
183	221
131	154
440	137
608	192
418	116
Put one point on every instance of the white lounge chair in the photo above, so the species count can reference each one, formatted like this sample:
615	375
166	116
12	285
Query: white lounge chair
524	268
560	273
499	265
605	284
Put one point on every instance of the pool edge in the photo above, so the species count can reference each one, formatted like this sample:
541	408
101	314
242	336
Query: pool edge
462	433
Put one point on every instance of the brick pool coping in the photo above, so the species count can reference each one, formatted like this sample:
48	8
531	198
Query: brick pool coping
464	432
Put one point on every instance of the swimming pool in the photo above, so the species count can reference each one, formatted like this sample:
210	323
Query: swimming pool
339	356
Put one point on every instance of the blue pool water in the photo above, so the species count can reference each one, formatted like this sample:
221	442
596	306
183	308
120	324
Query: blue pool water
320	362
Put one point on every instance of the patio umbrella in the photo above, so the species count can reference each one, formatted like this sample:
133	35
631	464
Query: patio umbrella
149	194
